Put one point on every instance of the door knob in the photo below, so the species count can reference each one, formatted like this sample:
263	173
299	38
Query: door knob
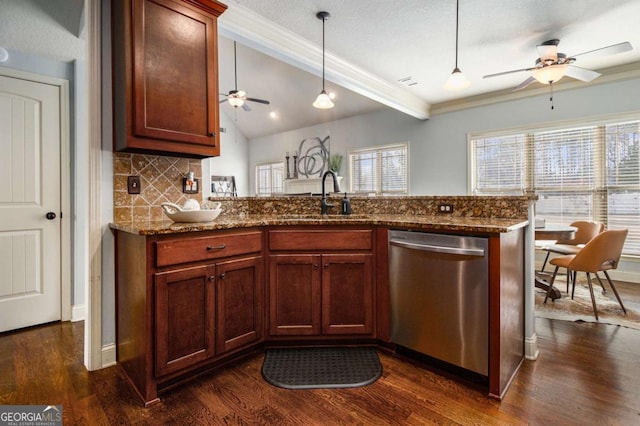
50	215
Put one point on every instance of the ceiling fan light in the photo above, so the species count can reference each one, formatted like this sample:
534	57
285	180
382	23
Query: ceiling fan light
236	102
456	81
323	101
550	74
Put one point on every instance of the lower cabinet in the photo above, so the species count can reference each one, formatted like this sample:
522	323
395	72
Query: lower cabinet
206	310
239	308
312	294
184	318
186	302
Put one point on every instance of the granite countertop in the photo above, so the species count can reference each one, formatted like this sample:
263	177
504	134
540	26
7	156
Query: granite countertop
425	222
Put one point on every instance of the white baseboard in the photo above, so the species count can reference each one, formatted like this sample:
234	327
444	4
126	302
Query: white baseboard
108	355
78	313
531	347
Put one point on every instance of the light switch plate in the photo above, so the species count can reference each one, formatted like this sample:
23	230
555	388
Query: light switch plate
133	184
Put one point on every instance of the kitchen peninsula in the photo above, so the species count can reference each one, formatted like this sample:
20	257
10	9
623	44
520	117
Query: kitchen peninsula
192	297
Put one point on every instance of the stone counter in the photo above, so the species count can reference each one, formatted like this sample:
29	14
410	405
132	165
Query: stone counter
440	223
471	214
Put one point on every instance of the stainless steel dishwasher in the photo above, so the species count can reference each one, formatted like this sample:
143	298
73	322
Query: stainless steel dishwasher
440	296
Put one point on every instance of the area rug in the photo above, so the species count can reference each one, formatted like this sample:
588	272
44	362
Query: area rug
316	368
580	308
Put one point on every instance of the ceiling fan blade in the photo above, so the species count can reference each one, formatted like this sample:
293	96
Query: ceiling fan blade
246	107
506	72
261	101
608	50
224	100
581	74
524	84
548	52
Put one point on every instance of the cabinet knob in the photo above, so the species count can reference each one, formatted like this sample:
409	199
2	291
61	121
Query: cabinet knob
222	276
212	134
50	215
315	266
326	266
212	278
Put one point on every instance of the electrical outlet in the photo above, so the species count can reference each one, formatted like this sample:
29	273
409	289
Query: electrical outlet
445	208
133	184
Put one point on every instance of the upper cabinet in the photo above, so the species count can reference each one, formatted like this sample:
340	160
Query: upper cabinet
165	77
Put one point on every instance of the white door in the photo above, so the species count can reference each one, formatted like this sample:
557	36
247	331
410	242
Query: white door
29	190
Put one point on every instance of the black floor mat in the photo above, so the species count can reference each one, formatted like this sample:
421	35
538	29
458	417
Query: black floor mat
314	368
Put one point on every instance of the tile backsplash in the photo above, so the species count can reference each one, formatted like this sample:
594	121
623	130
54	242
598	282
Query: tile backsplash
160	181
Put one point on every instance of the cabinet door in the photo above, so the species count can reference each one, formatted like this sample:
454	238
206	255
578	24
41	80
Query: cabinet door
166	76
294	294
347	294
239	307
184	318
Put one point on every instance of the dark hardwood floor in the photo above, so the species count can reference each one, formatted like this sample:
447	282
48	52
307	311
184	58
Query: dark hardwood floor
587	374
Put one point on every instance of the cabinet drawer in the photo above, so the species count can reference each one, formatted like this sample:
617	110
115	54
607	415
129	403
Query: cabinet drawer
358	239
173	252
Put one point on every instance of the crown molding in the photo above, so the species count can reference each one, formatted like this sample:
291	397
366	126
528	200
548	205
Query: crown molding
609	75
252	29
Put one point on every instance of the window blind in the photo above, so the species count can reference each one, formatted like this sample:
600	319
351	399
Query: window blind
564	173
381	170
622	164
499	165
582	173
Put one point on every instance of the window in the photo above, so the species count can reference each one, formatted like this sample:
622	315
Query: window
590	172
269	178
381	170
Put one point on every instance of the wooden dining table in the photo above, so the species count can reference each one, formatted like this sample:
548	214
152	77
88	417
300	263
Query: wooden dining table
552	232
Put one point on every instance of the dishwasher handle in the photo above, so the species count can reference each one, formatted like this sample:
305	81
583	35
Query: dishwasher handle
439	249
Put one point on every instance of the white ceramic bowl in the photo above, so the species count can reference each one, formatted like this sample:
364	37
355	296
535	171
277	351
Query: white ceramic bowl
177	214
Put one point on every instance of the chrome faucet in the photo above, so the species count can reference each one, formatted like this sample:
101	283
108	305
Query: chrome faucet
324	207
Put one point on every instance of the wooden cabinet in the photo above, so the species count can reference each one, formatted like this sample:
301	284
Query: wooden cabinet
185	302
347	294
206	310
165	76
239	303
184	318
312	292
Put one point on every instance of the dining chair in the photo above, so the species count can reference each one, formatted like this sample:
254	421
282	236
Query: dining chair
585	231
602	253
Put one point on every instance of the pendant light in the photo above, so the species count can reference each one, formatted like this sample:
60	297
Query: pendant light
456	80
323	101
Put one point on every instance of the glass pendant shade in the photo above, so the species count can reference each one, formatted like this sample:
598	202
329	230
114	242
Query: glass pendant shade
236	102
550	74
323	101
456	81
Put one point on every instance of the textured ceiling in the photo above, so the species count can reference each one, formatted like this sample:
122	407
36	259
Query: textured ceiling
394	39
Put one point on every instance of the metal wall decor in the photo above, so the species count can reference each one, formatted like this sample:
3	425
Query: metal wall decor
314	156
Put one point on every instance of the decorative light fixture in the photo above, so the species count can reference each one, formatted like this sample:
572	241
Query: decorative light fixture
236	96
236	101
456	80
323	101
550	74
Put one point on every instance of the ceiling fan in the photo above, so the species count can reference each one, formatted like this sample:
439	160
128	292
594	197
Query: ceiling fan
551	66
237	98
